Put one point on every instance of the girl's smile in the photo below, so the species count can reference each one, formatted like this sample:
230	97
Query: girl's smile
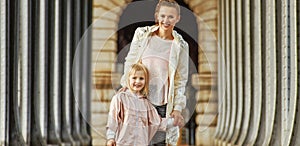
137	81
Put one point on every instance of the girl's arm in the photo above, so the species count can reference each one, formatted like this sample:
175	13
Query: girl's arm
166	123
170	123
115	116
111	142
110	136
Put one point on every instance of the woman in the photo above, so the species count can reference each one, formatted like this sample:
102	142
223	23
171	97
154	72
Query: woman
164	52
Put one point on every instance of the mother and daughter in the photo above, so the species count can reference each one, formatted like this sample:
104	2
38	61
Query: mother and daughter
147	110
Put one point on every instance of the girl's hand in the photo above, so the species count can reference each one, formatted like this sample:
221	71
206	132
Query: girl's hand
111	142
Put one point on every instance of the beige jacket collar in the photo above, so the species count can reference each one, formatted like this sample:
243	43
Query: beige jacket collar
175	34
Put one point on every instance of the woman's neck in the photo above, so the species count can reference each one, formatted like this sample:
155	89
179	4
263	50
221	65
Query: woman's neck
166	35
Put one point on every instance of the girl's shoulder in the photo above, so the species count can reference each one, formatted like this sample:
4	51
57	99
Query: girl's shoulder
119	96
123	94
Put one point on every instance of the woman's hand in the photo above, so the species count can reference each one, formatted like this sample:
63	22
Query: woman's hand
178	118
111	142
122	89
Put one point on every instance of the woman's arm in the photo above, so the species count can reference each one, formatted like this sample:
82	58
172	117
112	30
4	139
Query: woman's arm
180	80
132	55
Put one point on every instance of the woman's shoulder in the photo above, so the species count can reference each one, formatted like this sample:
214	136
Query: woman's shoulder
144	29
180	39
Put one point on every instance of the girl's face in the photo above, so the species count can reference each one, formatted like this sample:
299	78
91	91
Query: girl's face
137	81
167	17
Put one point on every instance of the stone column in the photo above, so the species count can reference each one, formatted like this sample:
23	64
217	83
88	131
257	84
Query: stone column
3	71
54	113
39	77
67	59
205	82
24	89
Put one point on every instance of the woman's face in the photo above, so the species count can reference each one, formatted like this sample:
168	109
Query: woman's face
167	17
137	81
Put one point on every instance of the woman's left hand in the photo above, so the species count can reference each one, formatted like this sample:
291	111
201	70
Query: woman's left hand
178	118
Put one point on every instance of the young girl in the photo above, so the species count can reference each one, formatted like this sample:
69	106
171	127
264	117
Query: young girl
132	119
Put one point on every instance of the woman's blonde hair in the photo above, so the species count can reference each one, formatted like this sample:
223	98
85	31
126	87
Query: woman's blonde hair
168	3
139	67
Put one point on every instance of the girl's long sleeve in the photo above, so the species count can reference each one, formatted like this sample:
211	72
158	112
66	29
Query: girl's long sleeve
115	115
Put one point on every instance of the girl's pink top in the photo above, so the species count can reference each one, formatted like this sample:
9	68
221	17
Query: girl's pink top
134	119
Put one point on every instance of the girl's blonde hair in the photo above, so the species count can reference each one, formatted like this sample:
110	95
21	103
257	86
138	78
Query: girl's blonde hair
139	67
168	3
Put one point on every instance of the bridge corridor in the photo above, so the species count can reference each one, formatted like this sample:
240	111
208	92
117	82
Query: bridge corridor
61	62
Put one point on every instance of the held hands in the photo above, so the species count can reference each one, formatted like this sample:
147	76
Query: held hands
111	142
178	118
172	135
172	132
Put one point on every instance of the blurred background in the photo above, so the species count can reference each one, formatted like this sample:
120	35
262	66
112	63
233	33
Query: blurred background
61	62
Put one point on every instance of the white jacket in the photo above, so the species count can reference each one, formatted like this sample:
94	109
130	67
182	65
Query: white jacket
178	65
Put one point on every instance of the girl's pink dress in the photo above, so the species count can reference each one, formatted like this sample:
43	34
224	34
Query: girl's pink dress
133	119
